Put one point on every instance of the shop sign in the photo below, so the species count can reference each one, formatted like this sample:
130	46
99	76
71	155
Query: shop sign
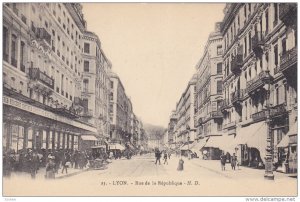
18	104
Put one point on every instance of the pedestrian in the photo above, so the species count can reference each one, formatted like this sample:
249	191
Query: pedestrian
7	164
165	158
223	161
169	154
157	156
233	161
50	168
65	162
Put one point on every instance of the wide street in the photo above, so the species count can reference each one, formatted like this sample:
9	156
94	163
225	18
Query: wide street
140	176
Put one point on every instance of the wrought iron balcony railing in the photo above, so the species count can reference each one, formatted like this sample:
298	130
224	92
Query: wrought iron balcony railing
288	59
288	13
236	64
259	81
216	114
262	115
257	42
237	96
43	35
278	110
36	74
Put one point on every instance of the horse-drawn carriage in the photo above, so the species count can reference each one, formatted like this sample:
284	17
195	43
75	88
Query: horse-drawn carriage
99	158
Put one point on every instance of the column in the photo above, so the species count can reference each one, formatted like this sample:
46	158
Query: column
68	140
72	142
63	140
25	141
9	46
58	139
53	140
8	134
39	144
18	52
33	138
47	140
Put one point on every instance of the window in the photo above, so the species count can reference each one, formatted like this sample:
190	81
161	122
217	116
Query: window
14	50
277	96
219	68
250	45
219	50
111	96
267	21
286	89
111	84
283	42
5	44
22	56
219	87
275	14
86	66
276	54
245	42
86	48
85	85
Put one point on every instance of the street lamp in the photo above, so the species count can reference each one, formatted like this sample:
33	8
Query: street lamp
269	155
188	139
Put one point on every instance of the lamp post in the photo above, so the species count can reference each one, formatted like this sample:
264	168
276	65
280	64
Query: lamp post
188	139
269	155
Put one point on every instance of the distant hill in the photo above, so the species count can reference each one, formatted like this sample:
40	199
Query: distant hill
154	132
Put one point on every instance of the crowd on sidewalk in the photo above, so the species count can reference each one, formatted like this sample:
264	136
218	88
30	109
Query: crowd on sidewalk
31	161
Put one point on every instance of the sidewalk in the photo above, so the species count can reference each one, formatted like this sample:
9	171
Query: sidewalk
42	171
242	172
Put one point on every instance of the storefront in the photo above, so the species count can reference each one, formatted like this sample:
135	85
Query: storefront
215	145
31	125
250	144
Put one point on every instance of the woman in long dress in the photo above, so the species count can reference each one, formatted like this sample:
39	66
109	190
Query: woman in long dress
50	169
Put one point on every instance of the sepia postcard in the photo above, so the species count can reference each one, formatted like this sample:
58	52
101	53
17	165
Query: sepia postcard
149	99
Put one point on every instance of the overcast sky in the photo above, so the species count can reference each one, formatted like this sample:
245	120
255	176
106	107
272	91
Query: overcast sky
153	48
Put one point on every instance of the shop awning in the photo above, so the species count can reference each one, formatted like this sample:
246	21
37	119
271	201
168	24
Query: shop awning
89	138
220	142
116	146
186	145
254	135
199	145
284	142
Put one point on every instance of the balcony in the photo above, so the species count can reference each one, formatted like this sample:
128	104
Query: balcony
258	82
236	64
224	105
36	75
259	116
200	121
278	110
288	14
87	113
289	59
229	125
216	114
257	42
70	113
237	97
43	36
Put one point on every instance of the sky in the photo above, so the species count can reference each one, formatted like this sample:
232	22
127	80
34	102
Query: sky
154	48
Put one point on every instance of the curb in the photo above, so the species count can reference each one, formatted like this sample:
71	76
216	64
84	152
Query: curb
72	174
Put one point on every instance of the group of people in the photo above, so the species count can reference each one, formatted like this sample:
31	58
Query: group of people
31	160
158	155
233	161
